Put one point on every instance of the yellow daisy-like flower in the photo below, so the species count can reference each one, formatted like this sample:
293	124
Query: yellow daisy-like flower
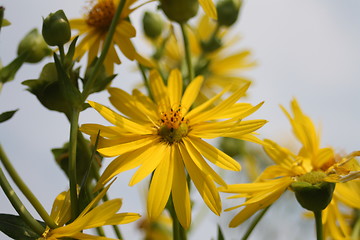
94	27
311	161
91	217
165	136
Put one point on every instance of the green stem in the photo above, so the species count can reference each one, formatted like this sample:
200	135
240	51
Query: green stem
187	54
72	163
62	53
19	206
25	190
146	80
255	222
179	233
319	226
107	44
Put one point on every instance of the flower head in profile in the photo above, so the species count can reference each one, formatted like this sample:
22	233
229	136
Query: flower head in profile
164	136
95	25
312	165
91	217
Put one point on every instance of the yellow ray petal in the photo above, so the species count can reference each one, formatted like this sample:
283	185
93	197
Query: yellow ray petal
204	183
125	29
159	91
180	192
158	153
112	148
93	129
175	87
209	8
201	163
160	185
126	46
119	120
214	155
191	93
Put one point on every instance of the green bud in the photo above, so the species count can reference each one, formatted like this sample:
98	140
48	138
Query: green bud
56	29
228	11
180	11
312	192
211	45
34	46
152	24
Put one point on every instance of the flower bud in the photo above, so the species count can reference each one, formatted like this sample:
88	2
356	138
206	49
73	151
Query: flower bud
152	24
180	11
311	192
34	46
56	29
228	11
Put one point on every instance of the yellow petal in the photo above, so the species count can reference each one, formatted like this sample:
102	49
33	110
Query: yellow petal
157	154
209	8
203	183
191	93
159	91
201	163
160	185
214	155
119	120
175	87
180	192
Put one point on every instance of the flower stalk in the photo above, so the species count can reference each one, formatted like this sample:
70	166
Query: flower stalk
319	226
25	190
254	223
187	54
107	44
19	206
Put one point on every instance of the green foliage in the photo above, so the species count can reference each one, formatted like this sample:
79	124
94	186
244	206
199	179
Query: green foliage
15	227
7	115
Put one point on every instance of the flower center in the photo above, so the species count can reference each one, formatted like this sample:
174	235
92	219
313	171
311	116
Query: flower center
173	126
101	15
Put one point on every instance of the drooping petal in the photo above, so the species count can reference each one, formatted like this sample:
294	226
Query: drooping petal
160	185
180	191
209	8
204	183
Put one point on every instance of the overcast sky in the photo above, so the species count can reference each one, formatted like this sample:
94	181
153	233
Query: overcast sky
305	49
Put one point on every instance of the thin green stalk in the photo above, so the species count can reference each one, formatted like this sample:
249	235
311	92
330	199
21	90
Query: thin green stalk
72	163
187	54
25	190
319	226
254	223
146	80
179	233
62	53
19	206
107	44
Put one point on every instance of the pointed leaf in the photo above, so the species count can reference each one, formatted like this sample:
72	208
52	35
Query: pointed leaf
15	227
7	115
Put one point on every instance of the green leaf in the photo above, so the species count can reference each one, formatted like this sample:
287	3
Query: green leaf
220	234
8	72
7	115
15	227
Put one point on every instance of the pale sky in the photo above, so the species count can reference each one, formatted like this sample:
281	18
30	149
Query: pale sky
304	48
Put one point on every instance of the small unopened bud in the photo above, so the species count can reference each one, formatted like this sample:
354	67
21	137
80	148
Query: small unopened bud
311	192
180	10
34	46
228	11
152	24
56	29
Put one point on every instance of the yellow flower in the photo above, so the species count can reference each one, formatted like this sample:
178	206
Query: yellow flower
209	8
157	229
310	161
95	25
222	66
91	217
165	135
